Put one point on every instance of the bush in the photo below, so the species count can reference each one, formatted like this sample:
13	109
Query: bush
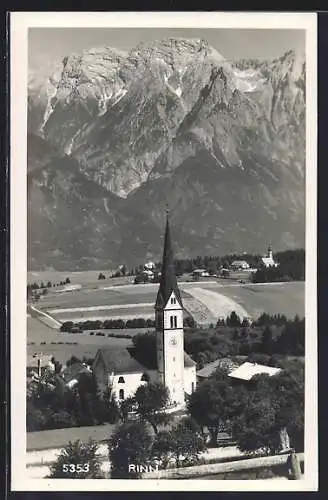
61	420
78	453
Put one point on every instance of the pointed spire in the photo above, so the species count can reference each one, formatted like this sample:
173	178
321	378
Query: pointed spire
168	281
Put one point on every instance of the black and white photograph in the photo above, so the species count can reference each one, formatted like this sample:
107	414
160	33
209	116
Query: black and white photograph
163	176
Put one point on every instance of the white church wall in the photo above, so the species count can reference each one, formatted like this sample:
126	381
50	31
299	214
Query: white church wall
131	383
189	379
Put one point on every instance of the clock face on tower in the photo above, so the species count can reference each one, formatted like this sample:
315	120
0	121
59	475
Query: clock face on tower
173	341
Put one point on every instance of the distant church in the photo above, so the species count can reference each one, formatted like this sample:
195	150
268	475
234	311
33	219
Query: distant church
119	368
268	260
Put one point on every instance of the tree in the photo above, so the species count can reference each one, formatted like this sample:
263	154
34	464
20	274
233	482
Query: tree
78	460
245	323
267	341
67	326
214	403
273	412
92	406
163	448
111	407
255	428
129	445
189	322
188	442
288	389
233	319
145	346
125	407
150	401
211	267
67	281
183	443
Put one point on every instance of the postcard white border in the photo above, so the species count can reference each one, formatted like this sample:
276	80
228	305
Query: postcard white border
20	22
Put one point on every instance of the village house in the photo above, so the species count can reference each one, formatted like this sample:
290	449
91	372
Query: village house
239	265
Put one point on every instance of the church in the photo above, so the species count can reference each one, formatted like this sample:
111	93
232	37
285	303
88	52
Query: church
119	368
268	260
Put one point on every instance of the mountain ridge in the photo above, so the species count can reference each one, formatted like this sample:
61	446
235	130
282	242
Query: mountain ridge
174	121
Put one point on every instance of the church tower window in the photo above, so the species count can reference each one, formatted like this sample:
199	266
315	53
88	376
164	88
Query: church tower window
121	380
173	300
173	322
121	394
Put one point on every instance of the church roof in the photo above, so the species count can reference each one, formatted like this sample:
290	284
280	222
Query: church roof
122	360
168	281
118	360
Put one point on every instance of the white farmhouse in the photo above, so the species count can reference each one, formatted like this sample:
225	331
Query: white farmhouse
240	264
118	367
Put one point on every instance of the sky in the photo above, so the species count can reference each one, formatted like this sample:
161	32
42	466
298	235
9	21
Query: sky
49	44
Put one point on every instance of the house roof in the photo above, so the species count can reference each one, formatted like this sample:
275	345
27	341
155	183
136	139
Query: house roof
248	370
32	359
122	360
223	363
188	362
73	371
168	281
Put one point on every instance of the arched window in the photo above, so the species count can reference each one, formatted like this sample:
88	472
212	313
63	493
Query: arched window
173	300
121	394
145	377
192	386
121	380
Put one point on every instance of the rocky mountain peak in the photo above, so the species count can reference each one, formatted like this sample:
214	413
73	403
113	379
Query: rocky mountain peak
171	120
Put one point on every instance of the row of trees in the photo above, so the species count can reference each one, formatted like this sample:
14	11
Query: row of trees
70	326
49	284
43	287
262	417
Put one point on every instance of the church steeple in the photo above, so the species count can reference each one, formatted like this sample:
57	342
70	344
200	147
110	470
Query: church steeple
168	281
169	326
